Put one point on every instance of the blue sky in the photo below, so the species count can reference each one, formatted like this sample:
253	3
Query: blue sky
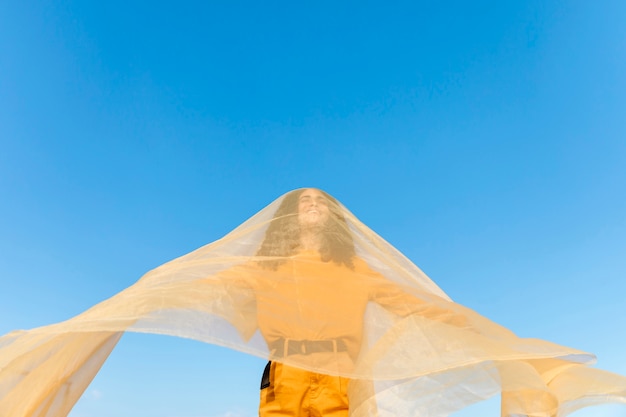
485	140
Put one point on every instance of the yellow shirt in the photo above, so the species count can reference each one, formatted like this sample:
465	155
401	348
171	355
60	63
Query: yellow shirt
306	299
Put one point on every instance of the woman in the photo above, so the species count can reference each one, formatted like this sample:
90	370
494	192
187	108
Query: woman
305	226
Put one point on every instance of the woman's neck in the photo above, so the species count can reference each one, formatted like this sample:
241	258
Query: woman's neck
310	240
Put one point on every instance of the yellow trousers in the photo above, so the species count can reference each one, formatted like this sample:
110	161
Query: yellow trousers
295	392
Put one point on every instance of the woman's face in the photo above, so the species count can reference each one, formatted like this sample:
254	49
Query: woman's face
312	208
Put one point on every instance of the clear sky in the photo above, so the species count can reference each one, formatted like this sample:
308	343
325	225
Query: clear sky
486	140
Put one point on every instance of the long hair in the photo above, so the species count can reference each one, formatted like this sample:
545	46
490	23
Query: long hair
282	238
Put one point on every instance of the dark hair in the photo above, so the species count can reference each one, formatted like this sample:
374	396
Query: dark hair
282	237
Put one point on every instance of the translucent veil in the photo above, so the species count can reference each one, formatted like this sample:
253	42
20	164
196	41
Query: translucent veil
354	307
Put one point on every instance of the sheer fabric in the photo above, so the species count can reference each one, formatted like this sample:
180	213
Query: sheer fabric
353	306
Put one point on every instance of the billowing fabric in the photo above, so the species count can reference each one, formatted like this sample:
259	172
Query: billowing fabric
306	284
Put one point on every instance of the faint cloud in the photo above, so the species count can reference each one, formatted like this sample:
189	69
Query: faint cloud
96	394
